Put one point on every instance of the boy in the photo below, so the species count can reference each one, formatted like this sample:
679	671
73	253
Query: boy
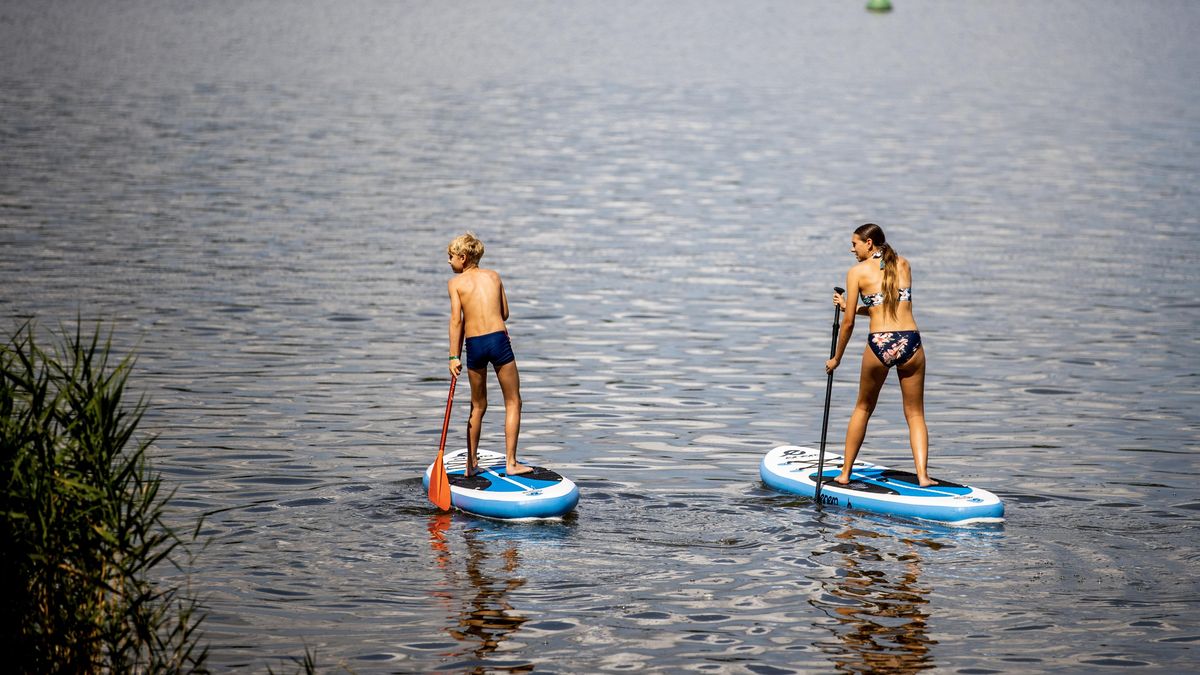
478	310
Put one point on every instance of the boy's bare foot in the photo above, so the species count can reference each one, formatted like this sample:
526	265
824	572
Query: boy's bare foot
927	482
839	480
516	469
470	471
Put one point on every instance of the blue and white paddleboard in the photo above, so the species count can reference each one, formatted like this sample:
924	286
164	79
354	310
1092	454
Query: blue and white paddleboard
872	487
492	493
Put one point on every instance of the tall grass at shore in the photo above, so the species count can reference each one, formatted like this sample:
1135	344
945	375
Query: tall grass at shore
82	524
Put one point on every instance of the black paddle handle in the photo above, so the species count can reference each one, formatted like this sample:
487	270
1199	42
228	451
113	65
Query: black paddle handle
836	323
828	398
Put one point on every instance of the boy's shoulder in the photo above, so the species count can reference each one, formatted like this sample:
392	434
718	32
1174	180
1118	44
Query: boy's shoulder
466	277
490	273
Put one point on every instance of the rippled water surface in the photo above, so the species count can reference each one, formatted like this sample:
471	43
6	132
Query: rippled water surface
256	197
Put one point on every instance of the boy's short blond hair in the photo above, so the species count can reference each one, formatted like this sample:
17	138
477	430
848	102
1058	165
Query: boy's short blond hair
466	245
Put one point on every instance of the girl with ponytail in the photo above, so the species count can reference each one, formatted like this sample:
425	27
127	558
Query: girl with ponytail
882	280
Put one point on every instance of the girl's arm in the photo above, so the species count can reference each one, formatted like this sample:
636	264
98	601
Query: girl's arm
847	327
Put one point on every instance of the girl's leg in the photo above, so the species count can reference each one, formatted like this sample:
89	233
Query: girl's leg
510	384
912	388
478	380
870	381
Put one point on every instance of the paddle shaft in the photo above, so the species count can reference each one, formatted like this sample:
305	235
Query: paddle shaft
828	397
446	422
439	481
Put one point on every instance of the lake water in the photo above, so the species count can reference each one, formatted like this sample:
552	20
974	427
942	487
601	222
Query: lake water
256	197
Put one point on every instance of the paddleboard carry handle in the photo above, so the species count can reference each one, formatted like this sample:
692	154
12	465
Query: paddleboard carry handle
828	397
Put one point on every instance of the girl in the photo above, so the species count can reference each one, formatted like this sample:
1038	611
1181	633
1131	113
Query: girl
883	281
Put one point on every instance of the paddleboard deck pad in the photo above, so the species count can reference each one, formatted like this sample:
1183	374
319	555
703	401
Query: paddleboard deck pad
492	493
791	468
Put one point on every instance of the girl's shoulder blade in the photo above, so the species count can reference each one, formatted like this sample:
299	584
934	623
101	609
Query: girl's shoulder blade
864	269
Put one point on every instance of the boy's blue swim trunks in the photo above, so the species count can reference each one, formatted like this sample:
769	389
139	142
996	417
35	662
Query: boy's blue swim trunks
494	348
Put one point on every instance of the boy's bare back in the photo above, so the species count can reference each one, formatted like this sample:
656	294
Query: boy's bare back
479	295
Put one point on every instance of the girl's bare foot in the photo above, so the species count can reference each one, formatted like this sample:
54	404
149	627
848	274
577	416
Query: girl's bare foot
926	481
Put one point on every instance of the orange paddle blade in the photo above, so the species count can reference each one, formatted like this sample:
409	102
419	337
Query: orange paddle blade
439	485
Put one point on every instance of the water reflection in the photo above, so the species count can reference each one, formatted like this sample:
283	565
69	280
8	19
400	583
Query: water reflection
484	618
880	608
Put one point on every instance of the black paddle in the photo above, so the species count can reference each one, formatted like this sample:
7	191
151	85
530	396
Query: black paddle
828	396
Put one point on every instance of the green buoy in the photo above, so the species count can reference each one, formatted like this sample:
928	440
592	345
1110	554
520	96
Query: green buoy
879	5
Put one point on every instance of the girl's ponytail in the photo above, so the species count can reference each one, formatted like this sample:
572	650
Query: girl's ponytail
891	294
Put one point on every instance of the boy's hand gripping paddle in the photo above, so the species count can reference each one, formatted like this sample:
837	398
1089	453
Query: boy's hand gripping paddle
439	482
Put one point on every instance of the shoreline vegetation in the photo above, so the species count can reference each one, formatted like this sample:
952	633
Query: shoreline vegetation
83	518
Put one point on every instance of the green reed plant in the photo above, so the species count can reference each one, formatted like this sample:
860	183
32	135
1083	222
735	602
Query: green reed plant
83	519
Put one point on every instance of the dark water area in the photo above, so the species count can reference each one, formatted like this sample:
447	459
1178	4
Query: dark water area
255	197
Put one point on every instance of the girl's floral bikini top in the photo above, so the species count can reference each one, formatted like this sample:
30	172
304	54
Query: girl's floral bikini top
905	295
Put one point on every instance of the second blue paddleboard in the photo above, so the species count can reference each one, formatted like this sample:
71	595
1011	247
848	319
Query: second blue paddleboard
791	468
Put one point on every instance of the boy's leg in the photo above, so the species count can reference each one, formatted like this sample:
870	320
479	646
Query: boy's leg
510	384
478	379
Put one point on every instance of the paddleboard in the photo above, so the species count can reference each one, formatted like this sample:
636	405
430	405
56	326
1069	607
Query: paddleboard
791	468
492	493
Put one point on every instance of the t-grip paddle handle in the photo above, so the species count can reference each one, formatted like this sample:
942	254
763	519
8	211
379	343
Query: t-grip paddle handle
833	347
828	397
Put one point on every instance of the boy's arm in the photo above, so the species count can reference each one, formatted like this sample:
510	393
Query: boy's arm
503	303
456	330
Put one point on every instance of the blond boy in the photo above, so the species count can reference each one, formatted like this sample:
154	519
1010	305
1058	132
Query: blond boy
478	310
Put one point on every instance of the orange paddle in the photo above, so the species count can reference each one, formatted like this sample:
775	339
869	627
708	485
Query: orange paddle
439	482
